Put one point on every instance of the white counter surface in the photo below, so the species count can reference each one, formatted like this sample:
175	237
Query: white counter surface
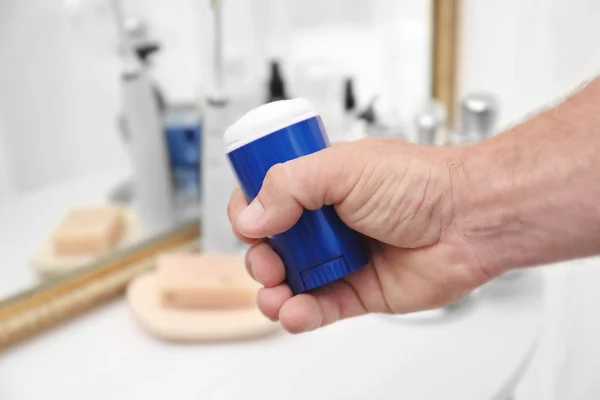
477	352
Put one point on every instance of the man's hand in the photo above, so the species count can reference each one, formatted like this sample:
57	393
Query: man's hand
399	195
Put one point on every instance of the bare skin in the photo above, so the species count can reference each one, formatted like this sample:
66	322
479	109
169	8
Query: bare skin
442	221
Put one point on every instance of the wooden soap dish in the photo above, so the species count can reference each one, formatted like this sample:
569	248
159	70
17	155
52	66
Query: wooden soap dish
48	264
181	325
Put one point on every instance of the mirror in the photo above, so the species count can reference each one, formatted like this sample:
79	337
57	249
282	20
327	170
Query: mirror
102	108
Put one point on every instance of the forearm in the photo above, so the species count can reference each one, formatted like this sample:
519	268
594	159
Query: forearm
532	194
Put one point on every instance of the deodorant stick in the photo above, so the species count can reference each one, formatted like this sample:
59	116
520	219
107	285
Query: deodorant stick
319	248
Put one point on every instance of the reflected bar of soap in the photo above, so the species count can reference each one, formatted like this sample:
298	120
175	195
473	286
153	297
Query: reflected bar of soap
88	231
204	281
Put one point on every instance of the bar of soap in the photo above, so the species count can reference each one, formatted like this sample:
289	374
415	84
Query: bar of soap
204	281
88	231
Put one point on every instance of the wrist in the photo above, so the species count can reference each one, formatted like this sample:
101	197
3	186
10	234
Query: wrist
530	195
487	210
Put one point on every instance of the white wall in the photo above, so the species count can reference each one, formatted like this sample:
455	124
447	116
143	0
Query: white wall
529	53
58	94
6	184
505	49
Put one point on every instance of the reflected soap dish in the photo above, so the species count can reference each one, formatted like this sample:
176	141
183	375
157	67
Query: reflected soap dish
211	298
84	235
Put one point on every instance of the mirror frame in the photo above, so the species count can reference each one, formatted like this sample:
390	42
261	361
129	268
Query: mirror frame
59	300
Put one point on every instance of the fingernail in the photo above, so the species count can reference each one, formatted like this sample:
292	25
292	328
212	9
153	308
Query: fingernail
251	216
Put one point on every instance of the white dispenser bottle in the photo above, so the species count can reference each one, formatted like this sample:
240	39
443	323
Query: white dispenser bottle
148	148
218	181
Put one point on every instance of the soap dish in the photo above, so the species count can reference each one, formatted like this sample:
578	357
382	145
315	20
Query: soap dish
48	264
192	325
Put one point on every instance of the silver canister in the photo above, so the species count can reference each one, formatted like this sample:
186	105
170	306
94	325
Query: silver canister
479	113
429	123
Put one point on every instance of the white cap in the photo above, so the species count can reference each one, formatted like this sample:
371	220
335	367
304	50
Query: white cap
267	119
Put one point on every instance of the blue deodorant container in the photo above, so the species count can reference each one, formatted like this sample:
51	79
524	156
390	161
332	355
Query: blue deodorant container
319	248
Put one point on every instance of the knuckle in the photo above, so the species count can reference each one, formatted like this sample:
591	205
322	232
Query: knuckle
277	172
276	179
306	174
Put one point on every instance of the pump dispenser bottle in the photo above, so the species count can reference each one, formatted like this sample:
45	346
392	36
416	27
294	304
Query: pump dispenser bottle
217	179
148	149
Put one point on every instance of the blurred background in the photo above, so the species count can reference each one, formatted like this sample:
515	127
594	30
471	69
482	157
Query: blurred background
68	112
71	52
64	65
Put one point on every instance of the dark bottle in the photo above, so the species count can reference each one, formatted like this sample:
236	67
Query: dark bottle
276	84
349	97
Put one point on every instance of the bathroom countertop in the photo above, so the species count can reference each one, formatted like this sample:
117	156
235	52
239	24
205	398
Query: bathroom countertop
476	352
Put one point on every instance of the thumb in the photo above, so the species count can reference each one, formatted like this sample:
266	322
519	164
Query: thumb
309	182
